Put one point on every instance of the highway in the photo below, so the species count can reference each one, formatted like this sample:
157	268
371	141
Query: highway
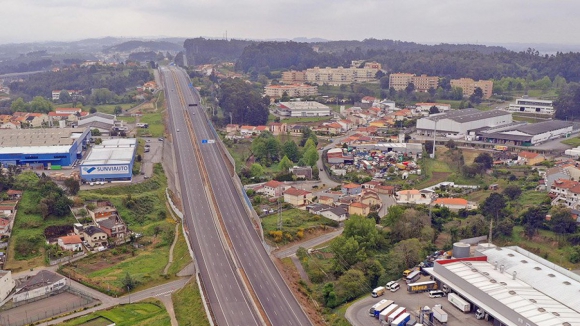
230	305
273	296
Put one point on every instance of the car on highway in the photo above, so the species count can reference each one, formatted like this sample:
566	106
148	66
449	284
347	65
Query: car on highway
177	130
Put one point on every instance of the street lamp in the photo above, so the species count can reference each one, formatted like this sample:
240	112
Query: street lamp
129	291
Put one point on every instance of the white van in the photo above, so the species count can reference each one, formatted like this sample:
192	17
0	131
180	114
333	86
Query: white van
395	287
391	283
436	294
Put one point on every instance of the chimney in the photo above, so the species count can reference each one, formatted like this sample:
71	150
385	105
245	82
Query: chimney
514	275
501	268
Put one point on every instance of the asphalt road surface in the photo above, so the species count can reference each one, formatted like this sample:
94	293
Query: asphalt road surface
276	299
228	300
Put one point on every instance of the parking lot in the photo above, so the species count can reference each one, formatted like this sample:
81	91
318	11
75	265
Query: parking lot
358	312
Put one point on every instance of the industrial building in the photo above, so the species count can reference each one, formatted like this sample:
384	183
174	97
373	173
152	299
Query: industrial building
512	286
528	134
408	148
110	161
530	105
303	109
462	122
43	147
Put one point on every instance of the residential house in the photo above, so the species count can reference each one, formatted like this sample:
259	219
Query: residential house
70	243
359	209
454	203
95	236
553	174
14	194
232	128
43	284
247	130
413	196
297	197
277	128
351	189
4	226
317	209
302	172
6	284
150	86
402	114
115	228
103	210
368	100
297	129
260	129
338	214
529	158
36	120
572	170
273	188
566	192
326	200
370	198
8	207
346	125
371	184
387	190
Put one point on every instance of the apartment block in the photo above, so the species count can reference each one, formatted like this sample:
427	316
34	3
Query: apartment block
469	85
422	83
293	77
277	91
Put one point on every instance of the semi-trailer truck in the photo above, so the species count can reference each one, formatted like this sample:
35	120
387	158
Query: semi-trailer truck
402	320
376	305
385	313
396	314
382	307
439	314
458	302
413	276
421	287
378	292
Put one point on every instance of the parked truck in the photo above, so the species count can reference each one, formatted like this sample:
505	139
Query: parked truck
413	276
378	292
385	313
402	320
395	314
459	302
375	306
439	314
421	287
382	307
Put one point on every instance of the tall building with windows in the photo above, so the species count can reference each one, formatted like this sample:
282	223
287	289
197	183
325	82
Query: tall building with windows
423	83
469	85
277	91
293	77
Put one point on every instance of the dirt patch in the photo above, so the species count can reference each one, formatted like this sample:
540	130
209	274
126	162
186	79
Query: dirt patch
309	233
439	177
292	277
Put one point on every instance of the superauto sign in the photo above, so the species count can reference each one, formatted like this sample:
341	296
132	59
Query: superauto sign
105	169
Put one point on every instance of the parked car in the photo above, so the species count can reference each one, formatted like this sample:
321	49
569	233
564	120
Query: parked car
160	138
436	294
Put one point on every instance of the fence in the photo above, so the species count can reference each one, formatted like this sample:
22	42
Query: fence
66	259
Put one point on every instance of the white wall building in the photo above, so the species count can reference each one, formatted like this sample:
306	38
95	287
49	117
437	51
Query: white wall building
42	284
6	284
530	105
303	109
291	90
462	121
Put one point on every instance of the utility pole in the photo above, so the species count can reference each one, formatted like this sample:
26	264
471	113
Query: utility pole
434	139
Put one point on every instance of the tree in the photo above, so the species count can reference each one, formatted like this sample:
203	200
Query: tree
64	97
407	253
118	110
257	171
451	144
311	156
384	82
351	284
72	185
285	164
19	105
375	216
561	221
93	110
512	192
485	160
409	224
493	207
568	103
532	219
504	228
429	146
347	252
434	109
128	282
410	88
290	150
27	180
285	97
477	96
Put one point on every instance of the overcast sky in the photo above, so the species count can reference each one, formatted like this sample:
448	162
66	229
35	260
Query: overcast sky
453	21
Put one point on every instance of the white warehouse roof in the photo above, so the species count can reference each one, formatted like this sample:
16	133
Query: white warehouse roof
112	151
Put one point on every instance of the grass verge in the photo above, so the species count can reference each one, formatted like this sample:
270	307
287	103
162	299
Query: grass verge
144	313
188	305
295	223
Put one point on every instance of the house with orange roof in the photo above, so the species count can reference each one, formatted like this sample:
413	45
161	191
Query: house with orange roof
370	198
529	158
70	242
150	86
232	128
454	203
387	190
326	200
368	100
4	226
260	129
14	194
402	114
297	197
346	124
351	189
247	130
273	188
566	192
358	208
371	184
11	125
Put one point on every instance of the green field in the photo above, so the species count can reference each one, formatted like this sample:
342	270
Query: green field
156	126
29	231
295	223
188	305
145	313
575	142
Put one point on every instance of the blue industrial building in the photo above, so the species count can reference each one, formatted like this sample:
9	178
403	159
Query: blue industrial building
43	147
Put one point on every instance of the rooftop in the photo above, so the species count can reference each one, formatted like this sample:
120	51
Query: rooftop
296	192
467	115
41	279
450	201
70	239
112	151
32	140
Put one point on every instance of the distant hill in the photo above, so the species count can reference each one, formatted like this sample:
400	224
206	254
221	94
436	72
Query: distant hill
144	46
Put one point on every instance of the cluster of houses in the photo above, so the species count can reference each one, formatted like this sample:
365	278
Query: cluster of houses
36	120
106	227
235	131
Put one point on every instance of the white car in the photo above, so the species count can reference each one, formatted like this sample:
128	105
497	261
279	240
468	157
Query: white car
177	130
91	183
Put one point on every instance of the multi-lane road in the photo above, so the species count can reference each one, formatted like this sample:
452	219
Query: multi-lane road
229	302
223	260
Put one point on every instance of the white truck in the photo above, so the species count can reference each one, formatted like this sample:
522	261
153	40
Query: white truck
377	310
458	302
385	313
439	314
378	292
375	306
395	314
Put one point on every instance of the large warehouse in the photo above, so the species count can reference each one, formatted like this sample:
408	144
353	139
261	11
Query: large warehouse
461	122
513	286
42	146
529	134
110	161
